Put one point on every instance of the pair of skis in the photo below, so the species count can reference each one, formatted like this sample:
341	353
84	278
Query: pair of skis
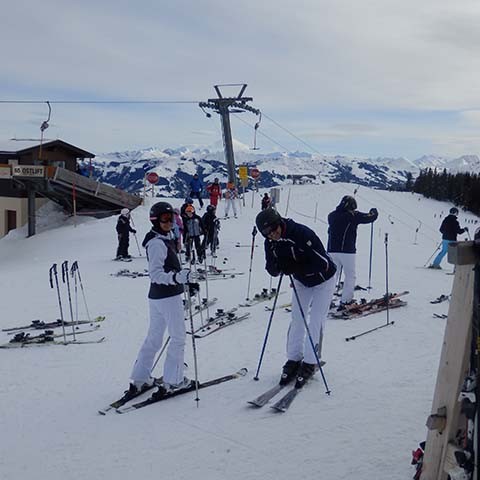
120	405
219	324
40	325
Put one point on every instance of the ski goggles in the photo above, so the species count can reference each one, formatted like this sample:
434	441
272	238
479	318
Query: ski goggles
269	229
166	218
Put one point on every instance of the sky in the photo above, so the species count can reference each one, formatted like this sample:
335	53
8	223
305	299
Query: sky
373	78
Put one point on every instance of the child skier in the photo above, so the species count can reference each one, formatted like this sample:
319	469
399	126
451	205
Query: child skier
193	227
211	226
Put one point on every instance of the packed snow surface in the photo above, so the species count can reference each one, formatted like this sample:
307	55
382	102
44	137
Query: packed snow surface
382	383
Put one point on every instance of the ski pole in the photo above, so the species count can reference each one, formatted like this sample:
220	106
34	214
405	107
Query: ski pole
254	233
370	261
268	328
309	334
387	299
135	235
53	272
431	256
339	283
76	269
67	281
194	345
161	352
75	282
206	285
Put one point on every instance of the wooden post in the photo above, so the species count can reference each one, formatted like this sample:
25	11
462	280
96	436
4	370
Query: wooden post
446	417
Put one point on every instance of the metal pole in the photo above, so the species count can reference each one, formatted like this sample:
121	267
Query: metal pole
76	269
53	272
67	281
194	345
254	233
370	261
268	328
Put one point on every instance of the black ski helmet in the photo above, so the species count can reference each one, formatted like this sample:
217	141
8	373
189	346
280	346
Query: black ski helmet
348	203
267	219
157	210
211	208
454	211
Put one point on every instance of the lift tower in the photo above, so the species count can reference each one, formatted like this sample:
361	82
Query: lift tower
224	106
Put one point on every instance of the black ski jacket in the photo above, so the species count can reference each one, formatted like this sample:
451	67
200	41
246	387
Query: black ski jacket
299	252
123	225
342	228
450	228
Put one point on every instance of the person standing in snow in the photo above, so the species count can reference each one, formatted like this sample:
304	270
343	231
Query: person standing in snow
231	195
167	281
123	233
449	229
193	227
266	201
211	226
215	191
294	249
196	188
342	239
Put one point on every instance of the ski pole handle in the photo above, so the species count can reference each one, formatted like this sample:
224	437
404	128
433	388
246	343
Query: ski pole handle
53	270
73	268
64	270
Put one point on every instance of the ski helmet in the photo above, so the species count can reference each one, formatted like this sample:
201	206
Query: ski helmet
159	209
348	203
267	220
454	211
211	208
125	212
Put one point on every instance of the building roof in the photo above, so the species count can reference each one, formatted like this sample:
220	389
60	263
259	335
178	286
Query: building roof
19	146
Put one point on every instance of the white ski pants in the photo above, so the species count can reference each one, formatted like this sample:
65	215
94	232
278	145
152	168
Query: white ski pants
315	303
345	262
230	202
164	313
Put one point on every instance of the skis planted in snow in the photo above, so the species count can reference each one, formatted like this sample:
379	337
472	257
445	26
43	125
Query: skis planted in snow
154	399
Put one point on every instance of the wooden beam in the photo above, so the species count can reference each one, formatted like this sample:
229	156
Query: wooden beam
463	253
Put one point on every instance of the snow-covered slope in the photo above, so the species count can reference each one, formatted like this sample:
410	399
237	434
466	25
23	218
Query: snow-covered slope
50	395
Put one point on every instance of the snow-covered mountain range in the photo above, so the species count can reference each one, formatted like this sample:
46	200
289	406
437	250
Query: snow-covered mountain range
175	167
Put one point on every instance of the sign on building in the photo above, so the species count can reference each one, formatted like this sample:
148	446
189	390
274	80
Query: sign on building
28	171
5	172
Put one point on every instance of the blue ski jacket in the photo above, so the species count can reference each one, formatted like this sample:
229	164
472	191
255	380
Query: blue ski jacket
300	253
196	185
342	228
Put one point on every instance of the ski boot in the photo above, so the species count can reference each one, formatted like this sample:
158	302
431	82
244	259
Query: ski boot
289	371
305	372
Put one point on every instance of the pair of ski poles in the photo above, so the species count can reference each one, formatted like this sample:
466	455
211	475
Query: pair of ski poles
75	273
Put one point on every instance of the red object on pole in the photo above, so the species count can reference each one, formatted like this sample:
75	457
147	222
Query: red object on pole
254	172
152	178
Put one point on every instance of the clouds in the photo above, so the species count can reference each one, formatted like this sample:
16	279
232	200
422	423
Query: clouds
302	61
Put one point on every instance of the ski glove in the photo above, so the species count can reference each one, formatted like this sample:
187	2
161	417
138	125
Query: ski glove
193	288
182	276
133	230
373	211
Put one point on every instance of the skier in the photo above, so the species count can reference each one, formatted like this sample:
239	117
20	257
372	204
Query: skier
211	226
215	191
193	227
177	229
449	228
196	187
266	201
231	195
294	249
123	233
166	307
342	238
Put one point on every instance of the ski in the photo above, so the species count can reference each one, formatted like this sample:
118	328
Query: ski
131	274
48	341
40	325
364	308
265	397
220	314
440	315
440	299
264	296
224	276
127	397
219	325
23	337
216	381
205	304
283	404
278	307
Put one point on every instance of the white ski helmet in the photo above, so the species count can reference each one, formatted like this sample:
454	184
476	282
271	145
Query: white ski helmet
125	212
